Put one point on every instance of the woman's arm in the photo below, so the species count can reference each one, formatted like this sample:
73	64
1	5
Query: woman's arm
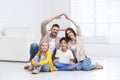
75	24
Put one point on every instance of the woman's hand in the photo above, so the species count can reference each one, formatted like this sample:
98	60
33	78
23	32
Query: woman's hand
59	16
67	17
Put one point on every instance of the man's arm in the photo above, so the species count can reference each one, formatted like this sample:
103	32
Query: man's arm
45	22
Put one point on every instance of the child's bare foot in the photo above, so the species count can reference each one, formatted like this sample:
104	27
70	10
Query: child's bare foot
35	72
98	66
30	68
26	67
55	69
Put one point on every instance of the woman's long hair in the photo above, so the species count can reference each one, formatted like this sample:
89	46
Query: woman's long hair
70	29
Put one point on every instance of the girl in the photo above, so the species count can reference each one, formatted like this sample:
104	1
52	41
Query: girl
42	62
64	60
76	45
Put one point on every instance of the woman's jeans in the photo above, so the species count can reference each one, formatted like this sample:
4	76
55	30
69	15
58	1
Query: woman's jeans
84	65
64	67
43	68
33	50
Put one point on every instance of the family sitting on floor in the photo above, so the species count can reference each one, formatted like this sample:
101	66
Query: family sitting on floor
59	54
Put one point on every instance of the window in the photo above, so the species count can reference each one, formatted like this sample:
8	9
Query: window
99	19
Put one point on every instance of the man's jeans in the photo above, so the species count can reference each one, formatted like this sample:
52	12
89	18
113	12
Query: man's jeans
33	50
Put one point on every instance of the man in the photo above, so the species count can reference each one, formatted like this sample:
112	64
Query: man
50	37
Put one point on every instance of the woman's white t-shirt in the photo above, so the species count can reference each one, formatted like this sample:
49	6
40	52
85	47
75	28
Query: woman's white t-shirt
73	48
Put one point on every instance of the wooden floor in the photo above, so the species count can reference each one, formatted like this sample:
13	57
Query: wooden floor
15	71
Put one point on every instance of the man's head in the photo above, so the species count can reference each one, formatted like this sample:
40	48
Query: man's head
55	30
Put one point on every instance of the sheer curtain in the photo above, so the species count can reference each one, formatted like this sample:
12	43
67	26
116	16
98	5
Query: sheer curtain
99	19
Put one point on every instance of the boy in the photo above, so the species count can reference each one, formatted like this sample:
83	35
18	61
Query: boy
64	60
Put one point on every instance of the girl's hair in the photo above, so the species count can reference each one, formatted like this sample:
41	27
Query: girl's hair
70	29
40	50
44	42
64	39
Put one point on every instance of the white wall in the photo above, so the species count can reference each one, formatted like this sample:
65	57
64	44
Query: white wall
51	8
54	7
20	13
29	13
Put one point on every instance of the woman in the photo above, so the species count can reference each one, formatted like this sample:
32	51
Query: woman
77	47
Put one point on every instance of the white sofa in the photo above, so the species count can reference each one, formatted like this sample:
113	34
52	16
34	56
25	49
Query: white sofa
14	48
15	43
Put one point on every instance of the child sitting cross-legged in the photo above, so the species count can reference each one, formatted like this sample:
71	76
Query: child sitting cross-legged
64	60
42	62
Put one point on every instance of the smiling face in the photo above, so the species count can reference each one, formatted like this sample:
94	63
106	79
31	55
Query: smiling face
44	46
70	33
54	31
64	43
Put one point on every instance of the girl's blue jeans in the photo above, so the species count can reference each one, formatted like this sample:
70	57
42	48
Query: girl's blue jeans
43	68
